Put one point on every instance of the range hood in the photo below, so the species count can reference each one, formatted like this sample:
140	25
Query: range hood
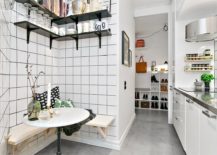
204	29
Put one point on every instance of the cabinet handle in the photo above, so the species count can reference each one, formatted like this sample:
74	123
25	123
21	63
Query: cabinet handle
178	119
206	113
189	101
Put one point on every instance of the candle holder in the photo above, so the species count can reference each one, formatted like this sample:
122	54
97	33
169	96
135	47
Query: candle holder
50	111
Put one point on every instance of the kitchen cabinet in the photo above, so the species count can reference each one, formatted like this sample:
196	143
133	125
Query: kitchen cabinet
208	133
179	117
195	125
192	128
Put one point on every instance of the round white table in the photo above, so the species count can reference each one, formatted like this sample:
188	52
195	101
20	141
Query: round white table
65	117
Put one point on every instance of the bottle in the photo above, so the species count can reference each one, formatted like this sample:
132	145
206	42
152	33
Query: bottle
56	7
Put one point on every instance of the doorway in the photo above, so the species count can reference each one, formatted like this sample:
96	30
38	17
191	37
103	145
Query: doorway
152	86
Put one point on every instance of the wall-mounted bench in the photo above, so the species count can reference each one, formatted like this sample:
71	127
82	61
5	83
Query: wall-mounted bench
22	135
101	122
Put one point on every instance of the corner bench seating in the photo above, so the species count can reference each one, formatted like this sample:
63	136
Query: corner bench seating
22	133
101	122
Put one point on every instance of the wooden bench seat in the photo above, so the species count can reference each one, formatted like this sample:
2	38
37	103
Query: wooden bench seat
101	122
21	137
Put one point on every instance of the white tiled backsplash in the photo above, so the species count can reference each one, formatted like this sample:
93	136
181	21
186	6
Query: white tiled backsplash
88	76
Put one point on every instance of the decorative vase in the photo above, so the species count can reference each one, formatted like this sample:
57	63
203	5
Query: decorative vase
207	86
34	107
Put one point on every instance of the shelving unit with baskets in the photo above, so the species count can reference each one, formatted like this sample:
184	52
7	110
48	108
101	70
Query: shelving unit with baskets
156	97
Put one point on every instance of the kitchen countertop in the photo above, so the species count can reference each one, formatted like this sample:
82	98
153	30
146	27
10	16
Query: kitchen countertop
207	100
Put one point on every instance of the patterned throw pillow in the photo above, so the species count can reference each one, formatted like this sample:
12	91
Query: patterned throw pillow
42	98
55	94
63	104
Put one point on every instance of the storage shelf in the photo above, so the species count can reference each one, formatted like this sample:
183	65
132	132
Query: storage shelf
199	59
30	27
198	70
37	29
164	92
83	17
145	100
141	48
40	7
151	109
85	35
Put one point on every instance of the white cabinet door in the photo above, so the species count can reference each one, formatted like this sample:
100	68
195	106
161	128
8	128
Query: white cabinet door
192	128
179	120
208	133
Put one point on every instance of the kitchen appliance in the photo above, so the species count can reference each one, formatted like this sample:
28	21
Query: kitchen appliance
204	29
198	85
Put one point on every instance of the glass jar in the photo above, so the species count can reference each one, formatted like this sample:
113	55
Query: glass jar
79	6
28	7
69	11
49	23
45	21
21	9
40	18
54	28
62	30
33	14
71	28
80	27
92	25
86	27
95	5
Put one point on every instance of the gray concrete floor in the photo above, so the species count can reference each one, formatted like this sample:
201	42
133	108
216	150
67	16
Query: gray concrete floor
149	135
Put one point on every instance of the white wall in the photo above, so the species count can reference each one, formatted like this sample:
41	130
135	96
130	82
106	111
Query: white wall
188	11
186	79
4	76
156	50
126	97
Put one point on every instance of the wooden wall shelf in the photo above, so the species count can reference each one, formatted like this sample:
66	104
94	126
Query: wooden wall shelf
199	69
199	59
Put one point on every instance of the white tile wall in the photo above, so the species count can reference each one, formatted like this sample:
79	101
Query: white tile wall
94	81
4	75
88	76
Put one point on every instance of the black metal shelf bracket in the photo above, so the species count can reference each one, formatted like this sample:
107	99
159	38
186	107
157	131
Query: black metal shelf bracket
29	30
76	41
100	39
76	22
51	42
99	16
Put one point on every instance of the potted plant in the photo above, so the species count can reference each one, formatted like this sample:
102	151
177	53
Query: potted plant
207	78
34	106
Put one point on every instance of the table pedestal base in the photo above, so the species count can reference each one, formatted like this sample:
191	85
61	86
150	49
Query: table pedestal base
59	141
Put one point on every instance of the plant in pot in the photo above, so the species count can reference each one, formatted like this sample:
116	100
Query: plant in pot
34	106
207	78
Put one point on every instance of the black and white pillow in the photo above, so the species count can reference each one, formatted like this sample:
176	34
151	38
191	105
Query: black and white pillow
55	94
42	98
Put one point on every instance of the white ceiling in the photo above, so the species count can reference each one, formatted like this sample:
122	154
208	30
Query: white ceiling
193	9
149	24
149	3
